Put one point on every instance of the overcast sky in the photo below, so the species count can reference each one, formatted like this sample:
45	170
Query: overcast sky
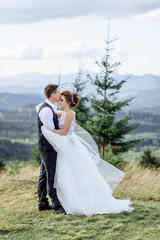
47	35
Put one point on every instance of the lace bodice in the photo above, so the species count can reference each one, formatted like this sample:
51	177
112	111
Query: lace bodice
61	122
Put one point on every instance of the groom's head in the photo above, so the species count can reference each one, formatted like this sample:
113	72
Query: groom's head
52	93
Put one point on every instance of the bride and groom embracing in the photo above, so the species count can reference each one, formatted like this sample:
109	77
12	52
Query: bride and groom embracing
76	179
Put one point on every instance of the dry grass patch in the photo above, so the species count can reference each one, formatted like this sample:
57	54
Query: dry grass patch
140	183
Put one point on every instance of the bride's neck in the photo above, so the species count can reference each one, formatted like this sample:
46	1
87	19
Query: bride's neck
66	109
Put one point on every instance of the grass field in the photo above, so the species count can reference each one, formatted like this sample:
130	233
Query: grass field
20	219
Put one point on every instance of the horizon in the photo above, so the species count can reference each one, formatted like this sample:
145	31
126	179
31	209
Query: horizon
75	72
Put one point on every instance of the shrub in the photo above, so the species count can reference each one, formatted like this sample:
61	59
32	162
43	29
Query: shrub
2	163
149	160
14	167
36	155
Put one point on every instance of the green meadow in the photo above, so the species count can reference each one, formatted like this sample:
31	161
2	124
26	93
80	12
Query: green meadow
20	218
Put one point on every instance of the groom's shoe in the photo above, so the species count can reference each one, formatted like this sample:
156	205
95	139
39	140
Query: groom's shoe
59	210
42	206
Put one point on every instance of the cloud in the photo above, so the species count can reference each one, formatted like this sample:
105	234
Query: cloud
58	51
151	15
24	52
72	50
30	11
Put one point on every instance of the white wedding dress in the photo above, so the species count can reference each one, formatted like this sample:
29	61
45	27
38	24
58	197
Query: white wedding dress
84	181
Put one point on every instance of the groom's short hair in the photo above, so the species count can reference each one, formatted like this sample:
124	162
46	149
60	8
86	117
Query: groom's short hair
49	89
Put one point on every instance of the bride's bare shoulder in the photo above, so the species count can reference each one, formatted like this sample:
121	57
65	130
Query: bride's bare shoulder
71	113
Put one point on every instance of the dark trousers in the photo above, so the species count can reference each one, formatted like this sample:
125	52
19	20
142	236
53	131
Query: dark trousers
47	176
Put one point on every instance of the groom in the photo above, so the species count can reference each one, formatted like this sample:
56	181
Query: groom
47	117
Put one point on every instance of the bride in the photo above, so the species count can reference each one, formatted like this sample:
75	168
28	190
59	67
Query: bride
84	181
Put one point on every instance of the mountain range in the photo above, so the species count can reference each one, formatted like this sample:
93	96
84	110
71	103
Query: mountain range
27	88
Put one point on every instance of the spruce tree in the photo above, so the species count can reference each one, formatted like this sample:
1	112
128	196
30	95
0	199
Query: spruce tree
109	132
82	111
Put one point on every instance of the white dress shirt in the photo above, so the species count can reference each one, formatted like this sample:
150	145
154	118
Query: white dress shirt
46	115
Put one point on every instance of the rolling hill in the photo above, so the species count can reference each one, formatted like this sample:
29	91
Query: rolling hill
11	100
27	88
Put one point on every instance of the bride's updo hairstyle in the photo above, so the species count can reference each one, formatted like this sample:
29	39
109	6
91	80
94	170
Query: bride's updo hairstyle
71	98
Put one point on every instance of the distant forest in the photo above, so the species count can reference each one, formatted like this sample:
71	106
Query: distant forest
18	131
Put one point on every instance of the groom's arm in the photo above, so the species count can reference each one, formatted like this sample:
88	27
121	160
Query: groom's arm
46	117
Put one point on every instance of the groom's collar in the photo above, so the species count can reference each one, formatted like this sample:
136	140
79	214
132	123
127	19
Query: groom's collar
51	104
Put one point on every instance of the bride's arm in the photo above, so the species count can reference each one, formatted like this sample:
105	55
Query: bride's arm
69	119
